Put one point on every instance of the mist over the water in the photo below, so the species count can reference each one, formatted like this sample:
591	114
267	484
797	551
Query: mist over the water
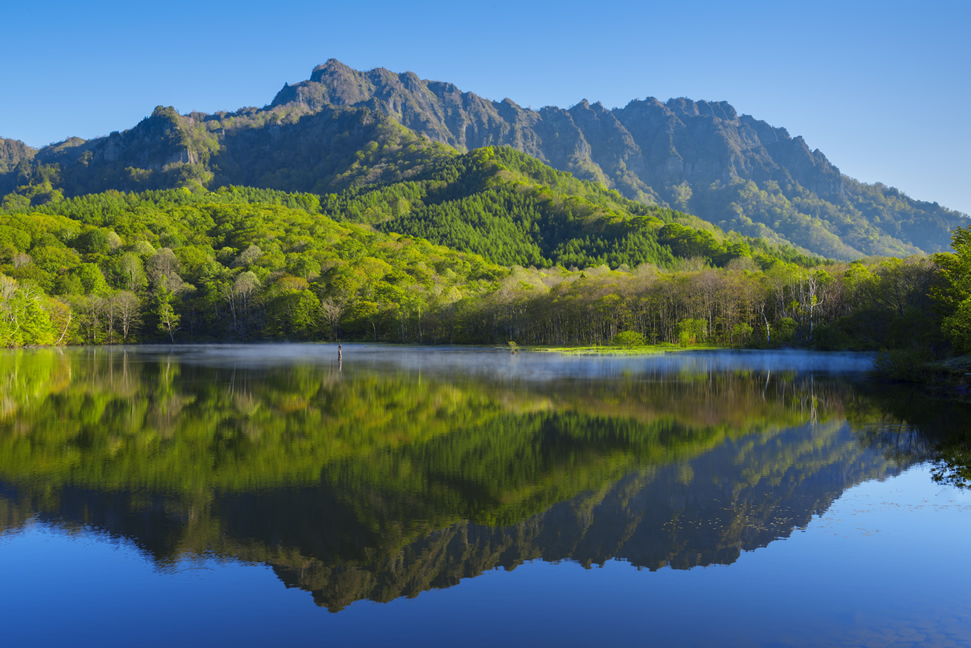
497	363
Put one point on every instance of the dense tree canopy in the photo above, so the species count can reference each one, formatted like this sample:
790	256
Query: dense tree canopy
247	264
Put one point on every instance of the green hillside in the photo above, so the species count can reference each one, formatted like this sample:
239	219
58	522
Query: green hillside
515	210
235	264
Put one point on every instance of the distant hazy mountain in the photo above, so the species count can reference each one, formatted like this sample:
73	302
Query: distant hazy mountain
346	128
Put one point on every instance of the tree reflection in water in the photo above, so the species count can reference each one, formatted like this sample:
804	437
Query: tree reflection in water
371	483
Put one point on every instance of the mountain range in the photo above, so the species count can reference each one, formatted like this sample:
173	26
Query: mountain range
345	129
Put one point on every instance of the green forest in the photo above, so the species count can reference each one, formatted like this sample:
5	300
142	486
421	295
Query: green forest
487	247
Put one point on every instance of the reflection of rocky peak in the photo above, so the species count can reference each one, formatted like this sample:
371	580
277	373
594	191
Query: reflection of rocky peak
401	484
740	496
15	511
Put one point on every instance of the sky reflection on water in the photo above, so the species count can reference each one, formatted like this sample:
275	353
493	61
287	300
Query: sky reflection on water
863	573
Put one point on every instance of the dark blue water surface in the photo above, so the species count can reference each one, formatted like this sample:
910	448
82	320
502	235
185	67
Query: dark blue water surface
264	495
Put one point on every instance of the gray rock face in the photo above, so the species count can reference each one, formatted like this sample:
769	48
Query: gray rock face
647	144
156	141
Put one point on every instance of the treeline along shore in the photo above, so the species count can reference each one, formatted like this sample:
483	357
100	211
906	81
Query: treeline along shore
259	265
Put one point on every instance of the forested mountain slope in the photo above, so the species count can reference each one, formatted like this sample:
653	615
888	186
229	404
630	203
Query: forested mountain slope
515	210
732	170
344	129
286	149
498	203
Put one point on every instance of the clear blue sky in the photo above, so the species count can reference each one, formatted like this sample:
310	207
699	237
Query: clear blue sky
882	88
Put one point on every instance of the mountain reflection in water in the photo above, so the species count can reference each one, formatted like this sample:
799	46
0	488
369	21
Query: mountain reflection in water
387	479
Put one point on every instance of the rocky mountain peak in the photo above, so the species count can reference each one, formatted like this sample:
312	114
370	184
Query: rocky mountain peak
12	152
329	70
673	152
683	107
697	156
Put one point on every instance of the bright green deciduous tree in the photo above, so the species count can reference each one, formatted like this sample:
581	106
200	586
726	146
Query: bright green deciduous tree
628	339
168	319
954	295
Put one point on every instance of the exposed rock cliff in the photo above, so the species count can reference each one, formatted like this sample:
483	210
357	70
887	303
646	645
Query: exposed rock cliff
697	156
343	128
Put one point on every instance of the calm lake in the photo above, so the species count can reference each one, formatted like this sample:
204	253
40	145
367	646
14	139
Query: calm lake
263	495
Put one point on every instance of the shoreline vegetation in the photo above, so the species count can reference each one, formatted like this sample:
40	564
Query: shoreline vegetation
638	350
251	265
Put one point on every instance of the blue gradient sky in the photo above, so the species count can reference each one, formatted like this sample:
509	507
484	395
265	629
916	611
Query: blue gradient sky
882	88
